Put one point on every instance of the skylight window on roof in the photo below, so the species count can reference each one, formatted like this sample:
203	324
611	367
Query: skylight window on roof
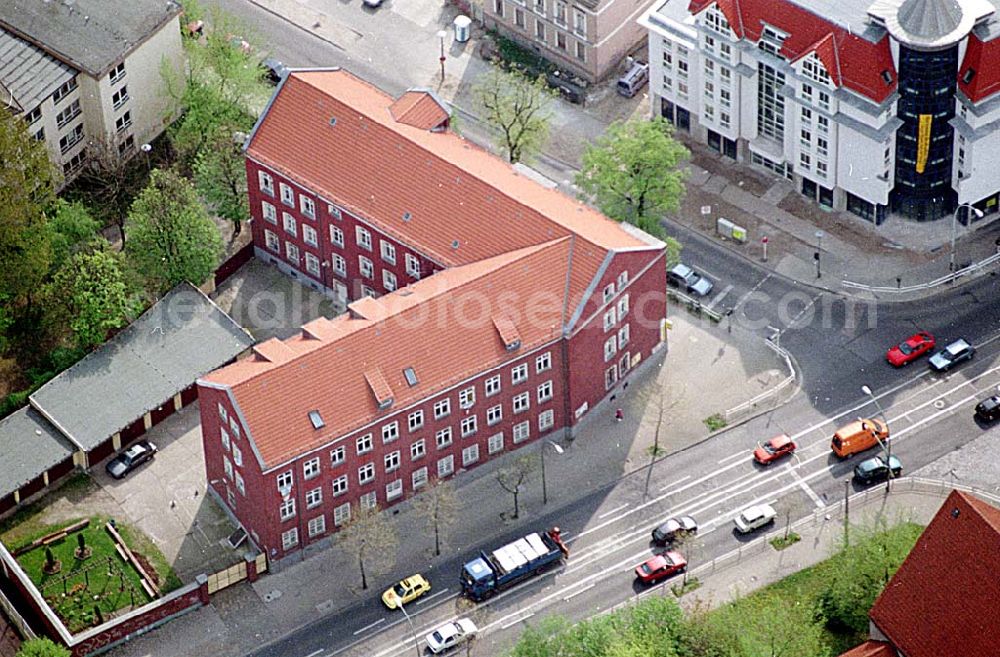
333	120
887	76
411	376
407	216
316	419
968	75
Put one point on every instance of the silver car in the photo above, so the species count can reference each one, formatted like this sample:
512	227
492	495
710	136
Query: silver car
956	352
450	635
754	517
689	280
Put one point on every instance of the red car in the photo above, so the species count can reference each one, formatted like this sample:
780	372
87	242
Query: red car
774	449
660	566
910	349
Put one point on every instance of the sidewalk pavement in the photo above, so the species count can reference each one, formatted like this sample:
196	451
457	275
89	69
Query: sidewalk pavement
730	368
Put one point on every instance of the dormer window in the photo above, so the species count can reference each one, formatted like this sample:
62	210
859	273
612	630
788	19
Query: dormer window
316	419
968	75
887	76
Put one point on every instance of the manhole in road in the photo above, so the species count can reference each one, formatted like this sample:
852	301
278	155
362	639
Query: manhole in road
940	403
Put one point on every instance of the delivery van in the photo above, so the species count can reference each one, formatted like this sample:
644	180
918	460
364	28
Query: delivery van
858	436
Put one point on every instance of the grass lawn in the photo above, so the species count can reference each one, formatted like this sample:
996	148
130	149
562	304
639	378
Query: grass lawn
805	586
104	579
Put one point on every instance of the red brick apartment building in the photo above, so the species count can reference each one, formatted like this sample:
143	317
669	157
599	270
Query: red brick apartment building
487	311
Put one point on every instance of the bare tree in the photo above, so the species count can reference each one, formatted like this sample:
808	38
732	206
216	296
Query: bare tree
111	180
439	506
519	108
513	476
478	614
369	537
665	411
686	544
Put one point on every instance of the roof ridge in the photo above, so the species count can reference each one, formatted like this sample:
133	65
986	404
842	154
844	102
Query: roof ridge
276	357
454	169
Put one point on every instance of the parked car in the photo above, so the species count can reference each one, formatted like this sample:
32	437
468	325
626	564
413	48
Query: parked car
371	3
910	349
673	529
754	517
958	351
274	70
634	79
875	469
130	459
450	635
689	280
774	449
858	436
405	591
988	410
660	567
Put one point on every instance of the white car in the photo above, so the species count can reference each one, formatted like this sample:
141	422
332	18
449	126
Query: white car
450	635
754	517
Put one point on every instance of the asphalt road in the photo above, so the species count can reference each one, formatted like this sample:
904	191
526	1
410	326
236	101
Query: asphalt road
608	531
837	347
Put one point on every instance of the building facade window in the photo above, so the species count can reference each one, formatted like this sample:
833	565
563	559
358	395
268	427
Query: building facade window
288	221
443	437
312	264
366	267
393	489
369	500
522	432
388	280
316	526
770	102
364	238
291	252
469	426
494	415
73	110
412	266
269	213
266	183
446	465
287	509
336	236
342	514
492	385
119	98
366	473
467	397
470	455
338	455
415	420
545	392
117	74
284	481
392	461
307	207
63	91
287	195
309	235
339	485
339	265
545	420
495	443
314	498
419	478
521	402
388	251
390	432
290	538
519	374
364	444
442	408
310	469
418	449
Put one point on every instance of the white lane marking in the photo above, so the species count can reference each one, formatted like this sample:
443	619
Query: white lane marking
614	510
684	478
817	500
431	597
370	626
514	622
730	458
314	653
583	590
720	296
746	296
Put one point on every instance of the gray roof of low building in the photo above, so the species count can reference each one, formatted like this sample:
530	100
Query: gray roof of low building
182	337
91	35
28	72
30	445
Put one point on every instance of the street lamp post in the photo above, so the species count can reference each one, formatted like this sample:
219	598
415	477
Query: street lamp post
819	248
146	148
441	35
413	630
559	450
887	446
954	227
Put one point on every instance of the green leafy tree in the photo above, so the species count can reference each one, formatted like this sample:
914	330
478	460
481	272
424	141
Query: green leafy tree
172	237
92	295
634	172
27	188
765	625
109	182
860	573
42	648
370	538
544	639
674	248
71	229
518	108
207	113
220	176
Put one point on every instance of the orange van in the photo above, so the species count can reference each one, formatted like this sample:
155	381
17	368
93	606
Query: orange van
858	436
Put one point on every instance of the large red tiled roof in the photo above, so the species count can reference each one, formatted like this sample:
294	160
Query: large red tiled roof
335	134
943	599
870	649
981	66
361	356
851	61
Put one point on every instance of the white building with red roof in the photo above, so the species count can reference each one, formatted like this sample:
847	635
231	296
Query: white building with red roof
484	311
869	106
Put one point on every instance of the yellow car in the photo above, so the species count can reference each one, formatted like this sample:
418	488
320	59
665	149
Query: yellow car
406	591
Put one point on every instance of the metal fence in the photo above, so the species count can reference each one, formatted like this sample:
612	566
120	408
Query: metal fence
972	269
694	305
771	395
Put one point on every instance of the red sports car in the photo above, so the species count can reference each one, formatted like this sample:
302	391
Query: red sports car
660	566
774	449
910	349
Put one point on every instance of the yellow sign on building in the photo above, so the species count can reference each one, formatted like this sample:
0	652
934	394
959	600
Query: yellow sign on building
923	141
